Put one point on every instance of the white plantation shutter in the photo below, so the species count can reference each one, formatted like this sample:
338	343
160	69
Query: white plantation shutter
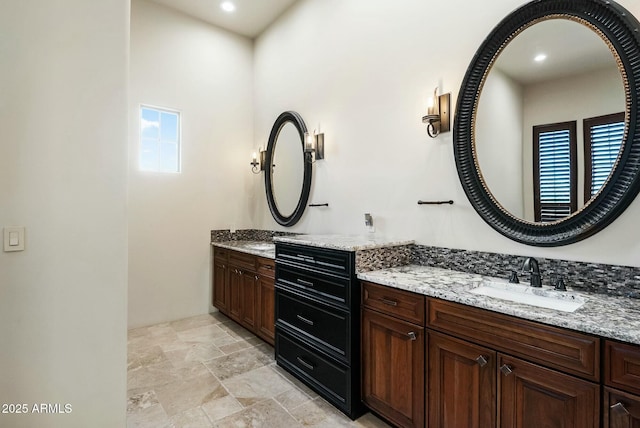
604	135
554	162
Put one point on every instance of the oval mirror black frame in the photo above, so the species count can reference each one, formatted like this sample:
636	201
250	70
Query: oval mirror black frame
621	31
296	120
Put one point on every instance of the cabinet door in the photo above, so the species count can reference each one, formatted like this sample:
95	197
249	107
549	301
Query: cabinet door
531	396
221	287
621	410
235	284
393	368
248	299
461	384
266	309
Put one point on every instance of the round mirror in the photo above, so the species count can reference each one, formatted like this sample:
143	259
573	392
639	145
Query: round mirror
287	172
543	95
546	134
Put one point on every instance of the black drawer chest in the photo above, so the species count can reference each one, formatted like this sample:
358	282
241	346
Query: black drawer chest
318	322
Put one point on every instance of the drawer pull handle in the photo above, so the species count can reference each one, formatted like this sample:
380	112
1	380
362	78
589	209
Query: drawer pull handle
267	267
388	301
304	320
506	370
303	282
412	335
306	364
482	361
619	408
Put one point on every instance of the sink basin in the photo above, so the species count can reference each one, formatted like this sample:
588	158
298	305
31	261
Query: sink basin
261	246
544	298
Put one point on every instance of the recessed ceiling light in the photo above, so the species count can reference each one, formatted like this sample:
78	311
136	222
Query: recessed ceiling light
540	57
227	6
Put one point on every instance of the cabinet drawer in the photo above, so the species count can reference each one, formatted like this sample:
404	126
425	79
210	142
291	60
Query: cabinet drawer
317	322
242	260
330	261
622	362
566	350
266	267
329	377
332	288
398	303
220	254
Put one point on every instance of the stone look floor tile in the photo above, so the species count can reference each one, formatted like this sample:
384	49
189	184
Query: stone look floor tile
192	418
238	363
179	376
221	407
265	414
256	385
182	395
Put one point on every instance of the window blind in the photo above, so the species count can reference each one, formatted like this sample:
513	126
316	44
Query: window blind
605	146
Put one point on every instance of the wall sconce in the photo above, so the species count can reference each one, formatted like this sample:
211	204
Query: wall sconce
437	118
314	146
257	167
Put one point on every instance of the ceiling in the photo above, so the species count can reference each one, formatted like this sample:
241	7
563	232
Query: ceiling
571	49
250	18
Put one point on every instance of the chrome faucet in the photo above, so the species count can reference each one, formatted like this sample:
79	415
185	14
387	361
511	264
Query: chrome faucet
530	264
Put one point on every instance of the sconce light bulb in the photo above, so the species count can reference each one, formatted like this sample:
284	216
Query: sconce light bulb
254	156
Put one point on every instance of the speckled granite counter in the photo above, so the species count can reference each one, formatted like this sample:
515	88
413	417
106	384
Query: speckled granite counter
342	242
257	248
606	316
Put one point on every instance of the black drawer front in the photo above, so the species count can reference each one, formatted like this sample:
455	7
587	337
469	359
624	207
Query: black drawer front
330	379
333	289
336	262
328	326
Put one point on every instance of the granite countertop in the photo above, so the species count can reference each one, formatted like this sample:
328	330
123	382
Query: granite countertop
266	249
342	242
601	315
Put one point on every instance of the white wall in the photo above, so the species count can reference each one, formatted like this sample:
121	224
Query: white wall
206	73
363	70
498	135
63	139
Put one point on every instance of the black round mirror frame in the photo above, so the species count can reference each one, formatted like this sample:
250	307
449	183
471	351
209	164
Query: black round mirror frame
296	120
622	31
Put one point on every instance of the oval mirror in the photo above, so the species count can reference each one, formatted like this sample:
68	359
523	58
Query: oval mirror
287	173
546	139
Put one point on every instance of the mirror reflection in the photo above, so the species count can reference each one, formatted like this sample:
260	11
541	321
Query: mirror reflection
550	120
287	172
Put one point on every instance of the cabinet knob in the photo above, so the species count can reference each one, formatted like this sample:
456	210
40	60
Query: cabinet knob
482	360
412	335
619	408
256	277
506	370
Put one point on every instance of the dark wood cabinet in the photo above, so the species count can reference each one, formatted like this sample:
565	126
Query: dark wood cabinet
220	293
532	396
620	409
243	290
461	389
393	354
266	326
393	368
621	396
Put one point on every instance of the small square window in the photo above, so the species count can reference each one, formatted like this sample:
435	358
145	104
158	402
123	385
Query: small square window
159	140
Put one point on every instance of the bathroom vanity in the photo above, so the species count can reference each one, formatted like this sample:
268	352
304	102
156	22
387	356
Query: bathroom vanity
433	355
243	285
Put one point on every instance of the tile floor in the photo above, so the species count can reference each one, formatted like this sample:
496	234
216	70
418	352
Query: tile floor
207	371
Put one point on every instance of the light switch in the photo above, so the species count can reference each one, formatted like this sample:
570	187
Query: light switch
13	239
